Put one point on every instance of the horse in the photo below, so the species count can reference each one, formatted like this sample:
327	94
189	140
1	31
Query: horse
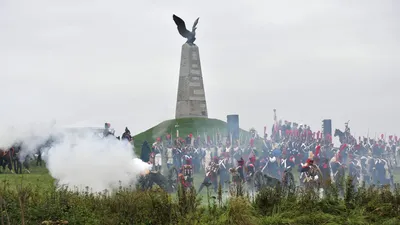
340	134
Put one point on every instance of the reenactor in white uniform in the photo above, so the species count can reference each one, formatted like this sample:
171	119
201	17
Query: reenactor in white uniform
157	157
169	156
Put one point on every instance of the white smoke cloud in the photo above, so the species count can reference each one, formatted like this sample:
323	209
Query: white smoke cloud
85	160
79	158
32	134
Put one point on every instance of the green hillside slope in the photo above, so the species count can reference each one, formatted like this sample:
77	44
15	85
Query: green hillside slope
196	126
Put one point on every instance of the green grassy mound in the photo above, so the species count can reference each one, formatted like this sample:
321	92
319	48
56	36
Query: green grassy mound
196	126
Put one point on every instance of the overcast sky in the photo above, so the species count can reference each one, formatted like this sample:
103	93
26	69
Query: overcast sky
86	62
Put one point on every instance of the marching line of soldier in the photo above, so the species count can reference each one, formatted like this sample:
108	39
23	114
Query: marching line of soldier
289	145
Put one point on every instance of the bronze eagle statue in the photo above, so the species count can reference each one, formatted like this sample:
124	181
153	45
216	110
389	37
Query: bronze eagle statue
189	35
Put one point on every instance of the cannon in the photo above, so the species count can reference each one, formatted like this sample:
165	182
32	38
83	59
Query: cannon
168	183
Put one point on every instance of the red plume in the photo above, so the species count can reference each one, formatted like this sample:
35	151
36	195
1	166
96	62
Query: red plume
252	142
317	150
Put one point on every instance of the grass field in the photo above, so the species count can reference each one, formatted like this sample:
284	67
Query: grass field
31	199
40	178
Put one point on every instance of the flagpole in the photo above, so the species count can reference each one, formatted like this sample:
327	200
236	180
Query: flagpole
205	137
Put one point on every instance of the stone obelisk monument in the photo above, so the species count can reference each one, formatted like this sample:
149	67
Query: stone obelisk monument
191	100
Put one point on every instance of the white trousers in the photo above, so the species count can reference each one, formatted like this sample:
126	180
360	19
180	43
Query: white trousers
157	160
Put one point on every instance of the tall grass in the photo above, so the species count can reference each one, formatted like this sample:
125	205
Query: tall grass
27	204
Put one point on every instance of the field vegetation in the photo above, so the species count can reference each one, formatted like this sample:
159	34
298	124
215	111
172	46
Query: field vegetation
34	199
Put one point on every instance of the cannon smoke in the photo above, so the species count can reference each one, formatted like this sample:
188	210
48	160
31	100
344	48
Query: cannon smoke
79	159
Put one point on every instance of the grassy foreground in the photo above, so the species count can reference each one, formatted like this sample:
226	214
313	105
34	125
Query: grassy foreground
33	198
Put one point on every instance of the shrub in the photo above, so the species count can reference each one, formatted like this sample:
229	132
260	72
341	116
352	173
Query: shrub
27	204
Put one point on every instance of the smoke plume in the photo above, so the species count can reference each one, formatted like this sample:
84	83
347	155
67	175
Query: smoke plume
80	158
85	160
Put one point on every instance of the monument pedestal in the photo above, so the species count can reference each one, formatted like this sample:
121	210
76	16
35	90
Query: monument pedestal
191	100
